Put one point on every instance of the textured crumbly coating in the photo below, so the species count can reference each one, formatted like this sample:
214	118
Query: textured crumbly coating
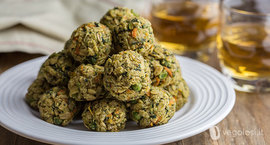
117	15
90	43
118	89
56	68
134	34
180	91
86	83
126	76
56	107
155	108
105	115
35	91
163	65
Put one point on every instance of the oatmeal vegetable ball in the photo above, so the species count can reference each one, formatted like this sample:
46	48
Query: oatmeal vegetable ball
56	68
180	91
90	43
116	16
134	34
56	107
86	83
127	76
105	115
163	65
155	108
35	91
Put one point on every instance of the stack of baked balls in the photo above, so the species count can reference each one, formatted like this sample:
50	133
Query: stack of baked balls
112	71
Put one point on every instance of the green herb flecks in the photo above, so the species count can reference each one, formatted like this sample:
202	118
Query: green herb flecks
57	121
137	87
163	75
130	26
91	59
165	63
136	116
93	126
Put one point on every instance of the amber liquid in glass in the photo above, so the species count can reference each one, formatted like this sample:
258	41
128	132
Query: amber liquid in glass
185	26
244	50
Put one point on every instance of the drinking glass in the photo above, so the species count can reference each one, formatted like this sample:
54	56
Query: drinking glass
187	27
244	44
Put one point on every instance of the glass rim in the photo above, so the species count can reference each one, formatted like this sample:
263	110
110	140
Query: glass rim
244	12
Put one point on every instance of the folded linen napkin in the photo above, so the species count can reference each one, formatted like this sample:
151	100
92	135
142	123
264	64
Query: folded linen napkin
43	26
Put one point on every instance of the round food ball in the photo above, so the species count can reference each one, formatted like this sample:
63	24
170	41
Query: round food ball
180	91
116	16
56	69
163	65
86	83
134	34
35	91
90	43
155	108
105	115
127	76
56	107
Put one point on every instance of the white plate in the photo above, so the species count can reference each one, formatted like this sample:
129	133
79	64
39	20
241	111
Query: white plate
212	98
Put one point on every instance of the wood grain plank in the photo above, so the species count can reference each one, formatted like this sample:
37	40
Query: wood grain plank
8	60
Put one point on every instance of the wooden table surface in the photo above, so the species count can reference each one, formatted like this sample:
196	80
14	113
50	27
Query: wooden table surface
247	124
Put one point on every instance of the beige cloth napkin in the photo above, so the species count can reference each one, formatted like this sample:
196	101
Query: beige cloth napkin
43	26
